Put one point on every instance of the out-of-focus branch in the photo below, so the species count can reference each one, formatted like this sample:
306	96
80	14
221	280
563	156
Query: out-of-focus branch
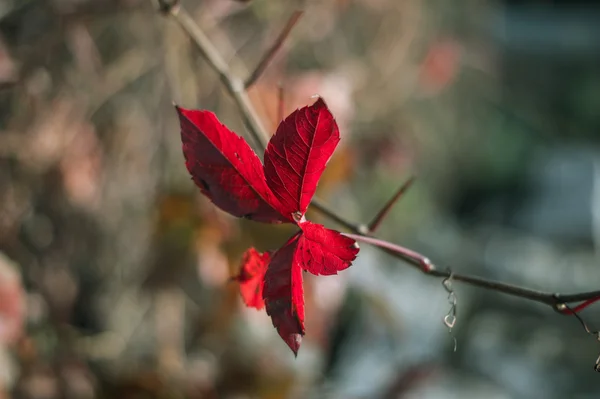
362	232
233	84
268	57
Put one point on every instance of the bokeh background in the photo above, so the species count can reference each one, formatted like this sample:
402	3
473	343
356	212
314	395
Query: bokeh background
114	270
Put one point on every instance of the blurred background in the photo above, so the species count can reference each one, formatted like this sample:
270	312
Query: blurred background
114	270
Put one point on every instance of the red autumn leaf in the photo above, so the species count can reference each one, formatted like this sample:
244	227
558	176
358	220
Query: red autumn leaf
440	66
297	154
230	174
316	249
226	169
251	277
324	251
284	295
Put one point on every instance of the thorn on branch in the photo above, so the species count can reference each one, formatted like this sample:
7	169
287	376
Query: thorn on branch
374	225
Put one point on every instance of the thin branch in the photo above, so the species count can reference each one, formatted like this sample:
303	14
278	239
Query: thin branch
423	263
414	258
361	232
547	298
270	54
388	206
583	296
337	218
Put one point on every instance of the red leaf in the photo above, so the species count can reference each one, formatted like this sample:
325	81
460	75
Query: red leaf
226	169
440	66
284	295
297	154
251	277
324	251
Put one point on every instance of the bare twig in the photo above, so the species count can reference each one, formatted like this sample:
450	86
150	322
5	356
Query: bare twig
361	231
270	54
388	206
332	215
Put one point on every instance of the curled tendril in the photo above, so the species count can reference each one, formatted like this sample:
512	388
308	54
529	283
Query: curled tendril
450	317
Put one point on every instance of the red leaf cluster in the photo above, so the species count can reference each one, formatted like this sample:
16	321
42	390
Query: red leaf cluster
229	172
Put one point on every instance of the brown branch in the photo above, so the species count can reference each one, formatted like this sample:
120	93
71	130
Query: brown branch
413	258
270	54
237	89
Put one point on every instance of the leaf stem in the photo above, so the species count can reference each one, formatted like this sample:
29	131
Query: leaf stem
413	258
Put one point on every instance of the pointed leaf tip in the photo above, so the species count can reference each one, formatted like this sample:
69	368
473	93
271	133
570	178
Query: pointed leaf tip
320	103
284	294
297	154
294	341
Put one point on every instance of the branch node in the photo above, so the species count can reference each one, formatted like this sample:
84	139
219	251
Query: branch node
561	308
167	6
363	229
427	266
